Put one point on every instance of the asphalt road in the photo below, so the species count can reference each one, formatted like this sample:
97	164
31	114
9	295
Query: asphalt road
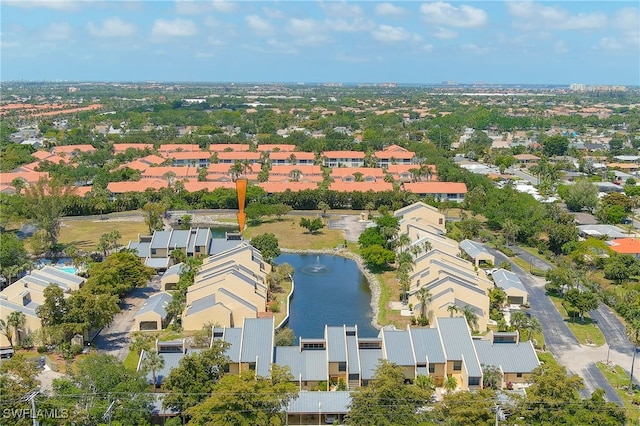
114	339
557	336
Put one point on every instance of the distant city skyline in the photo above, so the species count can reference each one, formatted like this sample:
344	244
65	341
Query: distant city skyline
427	42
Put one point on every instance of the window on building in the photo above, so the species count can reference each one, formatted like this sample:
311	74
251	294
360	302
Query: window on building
252	366
342	366
225	368
432	368
457	365
440	221
474	381
519	375
153	251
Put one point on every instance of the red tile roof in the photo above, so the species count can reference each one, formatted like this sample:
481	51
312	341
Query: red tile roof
220	147
239	156
179	172
174	147
139	186
122	147
275	187
41	155
282	146
68	149
400	155
360	186
626	245
223	168
27	176
189	155
343	154
341	172
285	155
305	169
435	187
194	185
153	159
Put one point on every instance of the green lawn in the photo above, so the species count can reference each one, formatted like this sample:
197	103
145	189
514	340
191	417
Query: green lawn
85	234
131	361
292	236
586	332
547	358
526	266
619	379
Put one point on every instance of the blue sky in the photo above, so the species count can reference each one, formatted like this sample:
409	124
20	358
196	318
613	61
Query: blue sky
529	42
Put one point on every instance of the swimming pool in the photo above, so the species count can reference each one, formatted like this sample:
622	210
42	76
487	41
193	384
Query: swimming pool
67	269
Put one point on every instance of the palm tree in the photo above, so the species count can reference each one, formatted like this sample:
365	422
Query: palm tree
235	170
17	320
471	317
452	309
359	177
404	281
246	166
293	159
511	230
6	330
295	175
152	363
403	241
370	206
322	205
518	320
425	296
18	184
450	384
533	326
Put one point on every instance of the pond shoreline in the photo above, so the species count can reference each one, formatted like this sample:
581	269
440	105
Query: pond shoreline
374	284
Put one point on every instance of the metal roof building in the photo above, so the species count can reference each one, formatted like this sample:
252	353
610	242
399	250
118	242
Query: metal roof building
512	286
458	346
476	251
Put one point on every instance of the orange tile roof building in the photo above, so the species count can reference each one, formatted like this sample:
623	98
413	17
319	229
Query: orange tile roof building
441	191
626	246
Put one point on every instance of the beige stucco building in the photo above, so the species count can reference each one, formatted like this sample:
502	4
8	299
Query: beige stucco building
229	287
421	213
26	294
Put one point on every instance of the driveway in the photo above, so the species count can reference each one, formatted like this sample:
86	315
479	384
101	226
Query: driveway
114	339
559	339
350	224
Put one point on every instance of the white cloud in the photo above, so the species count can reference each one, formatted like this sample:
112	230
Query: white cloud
446	14
428	48
445	33
560	47
535	16
389	34
163	28
57	31
223	6
273	13
611	44
112	27
198	7
44	4
353	59
341	9
388	9
258	25
344	26
474	48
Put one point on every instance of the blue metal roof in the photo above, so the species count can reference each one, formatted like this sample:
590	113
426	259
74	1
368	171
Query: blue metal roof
369	359
179	239
237	299
307	402
427	345
257	344
353	362
512	357
306	365
174	270
156	303
458	344
397	346
473	249
143	249
336	344
507	280
201	304
157	262
233	336
160	239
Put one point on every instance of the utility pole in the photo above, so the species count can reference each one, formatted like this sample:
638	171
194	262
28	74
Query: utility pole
107	414
31	397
